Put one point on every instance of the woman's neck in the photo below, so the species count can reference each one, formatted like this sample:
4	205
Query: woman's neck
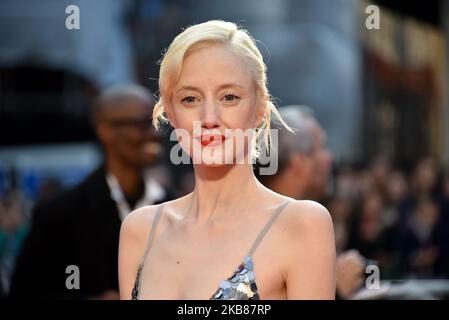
222	192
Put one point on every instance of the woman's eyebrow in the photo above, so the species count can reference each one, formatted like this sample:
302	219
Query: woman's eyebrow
230	85
221	87
188	88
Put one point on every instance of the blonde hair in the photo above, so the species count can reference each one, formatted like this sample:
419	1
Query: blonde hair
236	39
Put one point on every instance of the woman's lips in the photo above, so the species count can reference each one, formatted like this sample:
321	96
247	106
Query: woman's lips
209	140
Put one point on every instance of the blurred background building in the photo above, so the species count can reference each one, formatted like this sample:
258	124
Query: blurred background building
381	95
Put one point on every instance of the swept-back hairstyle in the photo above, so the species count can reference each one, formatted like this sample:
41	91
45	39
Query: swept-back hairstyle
236	39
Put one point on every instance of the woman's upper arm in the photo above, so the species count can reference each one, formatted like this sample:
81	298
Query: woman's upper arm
131	248
311	261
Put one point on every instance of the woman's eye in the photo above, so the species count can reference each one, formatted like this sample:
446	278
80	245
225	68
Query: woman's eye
230	97
188	99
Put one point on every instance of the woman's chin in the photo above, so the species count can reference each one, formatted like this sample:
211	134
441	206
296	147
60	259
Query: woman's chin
213	164
218	160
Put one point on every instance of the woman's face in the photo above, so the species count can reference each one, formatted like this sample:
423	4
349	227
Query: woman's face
215	95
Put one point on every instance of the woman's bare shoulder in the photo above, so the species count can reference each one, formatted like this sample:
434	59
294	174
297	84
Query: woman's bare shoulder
310	244
138	222
306	210
305	218
300	214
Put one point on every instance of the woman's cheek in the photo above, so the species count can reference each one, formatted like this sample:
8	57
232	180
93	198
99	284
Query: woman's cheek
185	140
186	118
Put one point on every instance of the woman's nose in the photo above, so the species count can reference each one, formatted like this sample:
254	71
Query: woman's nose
210	116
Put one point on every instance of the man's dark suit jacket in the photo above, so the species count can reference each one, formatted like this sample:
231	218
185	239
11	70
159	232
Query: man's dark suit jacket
80	227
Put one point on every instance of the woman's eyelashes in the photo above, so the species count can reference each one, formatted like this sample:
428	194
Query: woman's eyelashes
189	100
228	98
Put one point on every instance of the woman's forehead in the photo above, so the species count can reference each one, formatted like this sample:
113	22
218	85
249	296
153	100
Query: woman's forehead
214	63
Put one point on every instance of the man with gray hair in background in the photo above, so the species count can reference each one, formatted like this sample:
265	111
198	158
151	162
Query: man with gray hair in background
304	162
304	165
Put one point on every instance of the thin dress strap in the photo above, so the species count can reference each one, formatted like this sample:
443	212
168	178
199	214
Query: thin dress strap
149	242
267	226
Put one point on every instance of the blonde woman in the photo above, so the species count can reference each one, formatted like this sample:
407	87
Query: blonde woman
231	238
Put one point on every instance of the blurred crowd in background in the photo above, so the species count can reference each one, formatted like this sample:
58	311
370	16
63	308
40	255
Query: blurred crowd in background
379	95
398	218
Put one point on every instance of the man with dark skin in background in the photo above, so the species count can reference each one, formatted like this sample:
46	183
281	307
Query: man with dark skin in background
81	227
304	165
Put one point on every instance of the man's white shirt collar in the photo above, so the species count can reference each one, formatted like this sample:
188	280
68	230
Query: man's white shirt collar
153	192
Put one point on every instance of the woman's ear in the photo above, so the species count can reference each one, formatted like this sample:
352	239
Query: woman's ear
262	110
169	112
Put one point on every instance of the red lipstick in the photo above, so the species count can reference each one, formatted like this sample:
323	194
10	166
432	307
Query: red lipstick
211	139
